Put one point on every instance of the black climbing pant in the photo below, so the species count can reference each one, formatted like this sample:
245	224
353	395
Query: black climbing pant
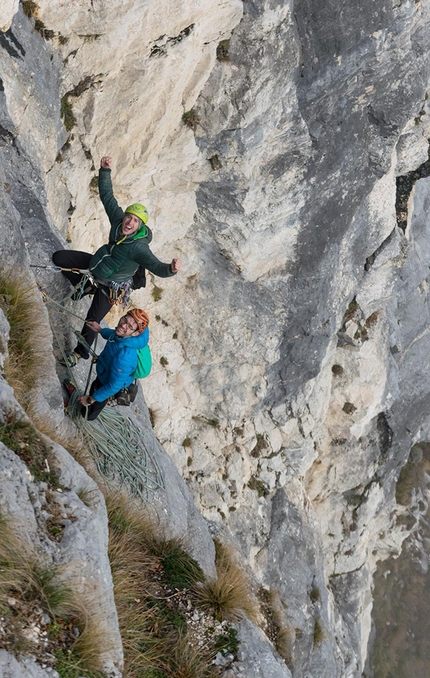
100	305
96	407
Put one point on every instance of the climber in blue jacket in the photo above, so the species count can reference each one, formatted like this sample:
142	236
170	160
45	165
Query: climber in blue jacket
118	360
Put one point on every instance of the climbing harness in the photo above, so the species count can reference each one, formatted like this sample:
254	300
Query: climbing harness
116	293
81	287
120	450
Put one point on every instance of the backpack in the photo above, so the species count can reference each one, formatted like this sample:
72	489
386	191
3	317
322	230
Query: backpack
127	395
139	278
144	363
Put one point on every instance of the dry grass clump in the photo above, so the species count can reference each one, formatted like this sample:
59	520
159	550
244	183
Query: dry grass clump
28	356
190	661
151	577
230	595
277	626
41	615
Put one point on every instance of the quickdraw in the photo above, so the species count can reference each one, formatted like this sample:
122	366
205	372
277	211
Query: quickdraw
58	269
119	293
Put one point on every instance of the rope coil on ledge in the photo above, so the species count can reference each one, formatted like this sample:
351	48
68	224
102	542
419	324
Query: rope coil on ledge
119	449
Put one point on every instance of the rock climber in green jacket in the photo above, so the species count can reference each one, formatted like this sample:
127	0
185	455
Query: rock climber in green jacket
117	265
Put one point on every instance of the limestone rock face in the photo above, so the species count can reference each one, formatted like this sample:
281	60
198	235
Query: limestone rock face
26	668
290	353
7	12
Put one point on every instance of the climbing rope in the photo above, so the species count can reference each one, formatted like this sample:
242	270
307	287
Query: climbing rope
119	449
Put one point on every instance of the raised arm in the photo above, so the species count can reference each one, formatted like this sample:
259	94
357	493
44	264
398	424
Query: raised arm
149	261
113	210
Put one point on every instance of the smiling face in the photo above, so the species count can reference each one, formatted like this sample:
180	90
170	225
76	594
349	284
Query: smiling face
127	327
130	224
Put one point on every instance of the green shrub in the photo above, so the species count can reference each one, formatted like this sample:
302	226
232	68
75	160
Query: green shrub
191	119
318	635
66	113
156	293
222	53
337	370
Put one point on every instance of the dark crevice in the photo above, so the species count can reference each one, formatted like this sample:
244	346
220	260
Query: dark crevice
11	45
84	85
162	43
385	433
7	137
370	260
404	186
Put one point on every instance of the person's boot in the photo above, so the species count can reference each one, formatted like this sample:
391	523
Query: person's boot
71	360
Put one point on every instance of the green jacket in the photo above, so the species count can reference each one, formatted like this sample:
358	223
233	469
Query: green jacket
121	257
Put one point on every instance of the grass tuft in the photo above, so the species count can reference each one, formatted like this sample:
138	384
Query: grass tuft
20	437
30	588
28	357
229	596
148	573
181	570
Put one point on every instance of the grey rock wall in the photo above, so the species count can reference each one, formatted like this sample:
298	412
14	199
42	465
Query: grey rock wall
300	408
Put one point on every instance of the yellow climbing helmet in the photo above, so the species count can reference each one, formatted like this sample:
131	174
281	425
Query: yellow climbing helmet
138	211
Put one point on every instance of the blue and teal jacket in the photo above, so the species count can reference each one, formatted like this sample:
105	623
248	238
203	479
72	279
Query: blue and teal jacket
120	258
117	362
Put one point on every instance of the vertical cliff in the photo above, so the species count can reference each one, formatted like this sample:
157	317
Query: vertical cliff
270	142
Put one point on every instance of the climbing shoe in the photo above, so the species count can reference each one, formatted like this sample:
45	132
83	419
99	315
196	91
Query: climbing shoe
70	388
70	360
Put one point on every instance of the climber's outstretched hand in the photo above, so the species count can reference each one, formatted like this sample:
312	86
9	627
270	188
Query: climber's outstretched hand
175	265
106	162
95	326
